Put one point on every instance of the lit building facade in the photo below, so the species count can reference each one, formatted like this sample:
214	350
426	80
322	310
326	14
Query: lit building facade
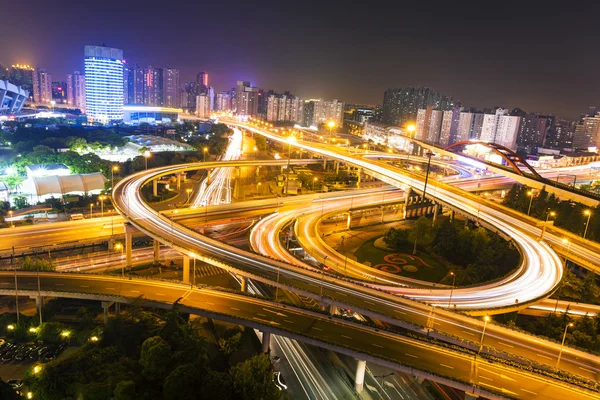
203	106
104	83
76	90
42	87
246	97
171	89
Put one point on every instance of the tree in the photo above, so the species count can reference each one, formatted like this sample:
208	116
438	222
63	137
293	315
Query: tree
231	344
50	332
155	357
125	390
183	383
43	264
7	392
253	379
261	142
395	238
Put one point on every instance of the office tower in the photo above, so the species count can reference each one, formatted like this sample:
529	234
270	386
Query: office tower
59	92
42	86
308	113
449	130
76	90
435	126
22	75
211	96
203	106
223	101
104	83
500	128
246	99
587	132
532	132
400	106
153	87
560	134
188	96
325	111
171	88
202	81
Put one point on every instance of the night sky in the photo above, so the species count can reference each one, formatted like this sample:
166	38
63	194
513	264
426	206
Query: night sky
537	57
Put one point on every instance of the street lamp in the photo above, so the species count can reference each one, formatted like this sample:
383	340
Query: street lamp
452	288
331	125
257	187
255	150
550	214
101	198
119	246
91	210
146	155
589	215
205	150
530	194
486	319
570	324
428	154
10	214
566	242
189	192
314	180
411	129
53	104
114	169
290	139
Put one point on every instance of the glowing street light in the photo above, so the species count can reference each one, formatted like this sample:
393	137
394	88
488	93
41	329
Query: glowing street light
114	169
589	215
570	324
91	210
566	242
255	150
314	180
550	214
65	334
37	369
451	288
10	327
486	319
530	194
331	125
101	198
257	187
94	339
119	246
33	329
205	150
146	155
10	214
53	104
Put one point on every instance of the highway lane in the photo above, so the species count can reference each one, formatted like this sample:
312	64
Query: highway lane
342	336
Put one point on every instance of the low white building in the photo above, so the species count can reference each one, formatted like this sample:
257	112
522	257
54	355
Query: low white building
57	185
39	170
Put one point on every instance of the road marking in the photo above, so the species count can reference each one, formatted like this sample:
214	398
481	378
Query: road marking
312	284
135	291
236	309
262	315
5	283
507	345
110	288
410	355
212	304
485	377
587	370
159	294
342	294
469	333
399	312
59	284
347	337
275	312
369	302
84	286
529	391
376	345
541	355
317	329
447	366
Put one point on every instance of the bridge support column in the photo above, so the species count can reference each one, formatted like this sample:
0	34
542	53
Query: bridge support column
337	167
178	181
155	187
129	229
244	283
156	247
117	309
358	181
266	338
105	306
39	302
186	269
470	396
452	215
208	176
324	164
332	309
349	221
419	380
359	379
435	214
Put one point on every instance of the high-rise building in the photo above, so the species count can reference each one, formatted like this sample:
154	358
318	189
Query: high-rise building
325	111
283	107
59	92
223	101
587	132
435	126
42	86
308	113
560	134
449	129
76	90
400	106
171	88
202	81
203	106
500	128
104	83
153	87
246	99
22	75
423	119
532	132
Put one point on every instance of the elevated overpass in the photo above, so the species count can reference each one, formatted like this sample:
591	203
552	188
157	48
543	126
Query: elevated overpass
459	369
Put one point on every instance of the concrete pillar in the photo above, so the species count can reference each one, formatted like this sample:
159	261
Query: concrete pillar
105	306
156	246
419	380
452	215
266	338
117	308
337	167
470	396
359	379
39	301
349	221
332	309
128	245
244	283
155	187
178	181
358	181
324	164
208	176
186	269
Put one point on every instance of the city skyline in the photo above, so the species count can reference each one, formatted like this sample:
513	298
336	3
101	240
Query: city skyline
505	57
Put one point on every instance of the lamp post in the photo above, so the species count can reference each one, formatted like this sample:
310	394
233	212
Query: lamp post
566	242
428	154
451	288
101	198
314	180
205	150
570	324
119	246
486	319
146	155
189	192
290	139
550	214
530	194
91	210
411	129
53	104
589	215
331	125
10	214
257	187
114	169
255	150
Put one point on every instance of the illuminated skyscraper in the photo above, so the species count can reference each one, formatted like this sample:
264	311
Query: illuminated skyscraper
42	86
76	90
104	83
171	88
